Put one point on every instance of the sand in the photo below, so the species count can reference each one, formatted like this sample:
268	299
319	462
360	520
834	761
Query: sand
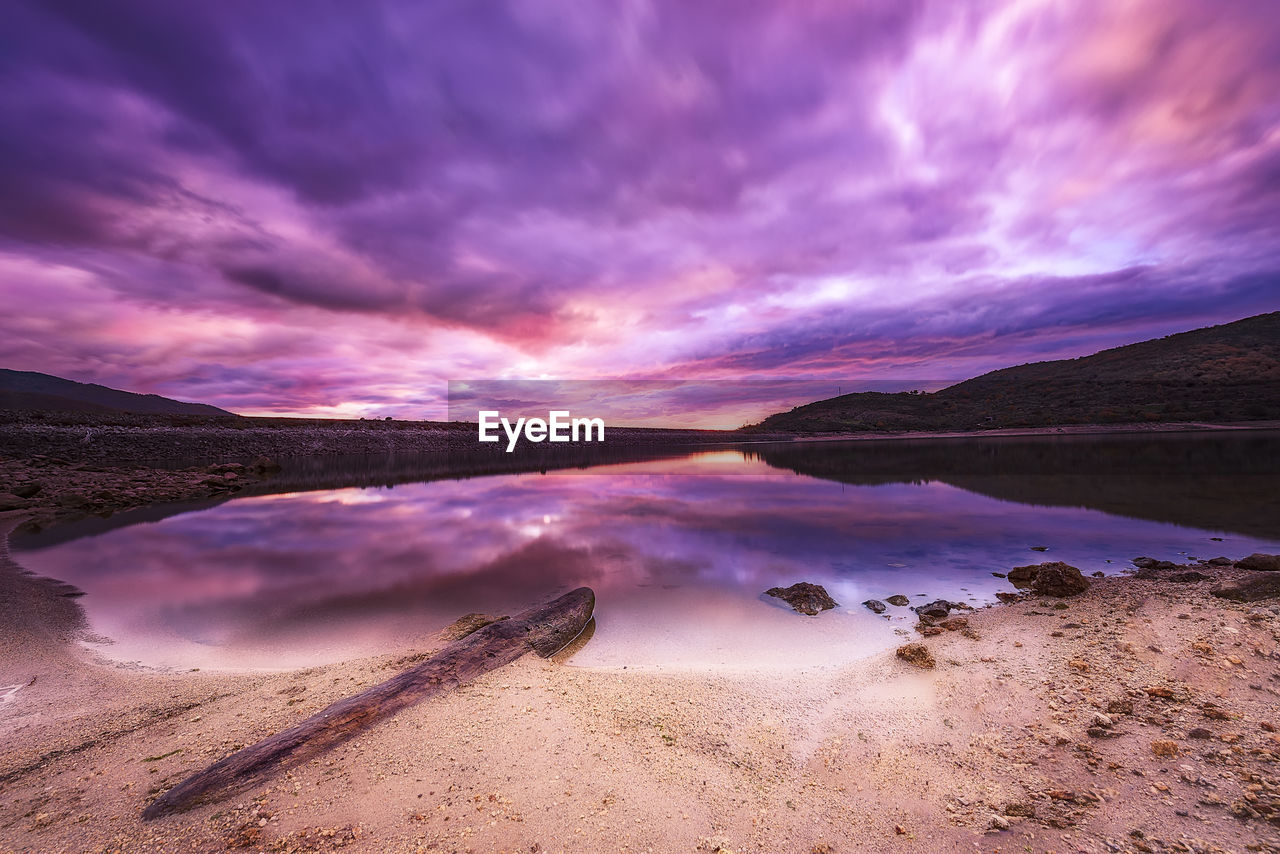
543	756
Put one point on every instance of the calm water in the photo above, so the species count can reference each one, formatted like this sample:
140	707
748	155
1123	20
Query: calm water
678	550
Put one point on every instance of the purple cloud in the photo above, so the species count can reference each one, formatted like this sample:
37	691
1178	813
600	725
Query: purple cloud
335	209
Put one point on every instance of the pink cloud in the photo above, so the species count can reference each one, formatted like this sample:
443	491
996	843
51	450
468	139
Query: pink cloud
281	213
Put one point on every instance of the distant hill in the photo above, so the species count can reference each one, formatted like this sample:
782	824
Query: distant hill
29	390
1220	373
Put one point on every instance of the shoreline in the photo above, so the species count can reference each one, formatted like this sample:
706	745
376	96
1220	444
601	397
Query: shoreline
155	441
95	479
989	749
63	473
1172	427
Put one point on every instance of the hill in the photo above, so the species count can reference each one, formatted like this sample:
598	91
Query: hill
1220	373
29	390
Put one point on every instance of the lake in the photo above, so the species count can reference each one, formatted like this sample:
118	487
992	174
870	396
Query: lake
348	557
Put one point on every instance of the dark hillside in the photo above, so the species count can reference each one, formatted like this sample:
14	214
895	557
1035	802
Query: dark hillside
1221	373
29	390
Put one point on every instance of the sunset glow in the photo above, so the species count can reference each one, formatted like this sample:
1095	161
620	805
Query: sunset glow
284	209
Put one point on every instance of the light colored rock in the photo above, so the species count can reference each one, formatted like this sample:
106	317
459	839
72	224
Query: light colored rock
917	654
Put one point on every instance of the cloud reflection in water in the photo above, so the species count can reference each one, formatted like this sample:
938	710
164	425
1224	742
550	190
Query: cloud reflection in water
678	562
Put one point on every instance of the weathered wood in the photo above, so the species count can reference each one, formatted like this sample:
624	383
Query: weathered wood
543	630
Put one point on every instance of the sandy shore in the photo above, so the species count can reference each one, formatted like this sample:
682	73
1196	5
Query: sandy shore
990	751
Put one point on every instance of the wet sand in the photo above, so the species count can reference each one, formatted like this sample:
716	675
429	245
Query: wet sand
539	756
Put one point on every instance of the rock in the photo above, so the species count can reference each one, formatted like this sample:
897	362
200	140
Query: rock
1165	749
1099	719
1259	562
1005	596
936	610
1098	574
264	465
1190	577
1219	561
1213	713
226	468
917	654
1039	548
1057	579
27	490
1200	733
9	501
1000	575
1150	566
1122	706
803	597
876	605
954	624
898	599
73	499
1025	810
1022	576
999	822
1251	588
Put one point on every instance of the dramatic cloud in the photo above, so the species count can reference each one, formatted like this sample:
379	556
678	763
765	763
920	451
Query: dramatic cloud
337	208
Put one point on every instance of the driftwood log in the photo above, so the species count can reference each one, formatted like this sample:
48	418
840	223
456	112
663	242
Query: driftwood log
544	630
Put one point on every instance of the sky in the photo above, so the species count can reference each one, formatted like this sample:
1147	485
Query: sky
336	209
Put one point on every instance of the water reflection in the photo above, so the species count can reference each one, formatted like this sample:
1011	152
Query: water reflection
677	551
1221	480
